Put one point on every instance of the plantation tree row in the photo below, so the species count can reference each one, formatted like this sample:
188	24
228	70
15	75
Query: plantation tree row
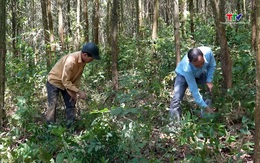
51	27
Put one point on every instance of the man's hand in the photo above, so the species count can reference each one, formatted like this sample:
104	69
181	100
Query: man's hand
209	110
210	86
82	95
77	95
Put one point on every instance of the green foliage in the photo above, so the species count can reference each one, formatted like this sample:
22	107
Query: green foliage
132	124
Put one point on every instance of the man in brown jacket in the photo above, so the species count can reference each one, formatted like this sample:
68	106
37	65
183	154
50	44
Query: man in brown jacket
65	77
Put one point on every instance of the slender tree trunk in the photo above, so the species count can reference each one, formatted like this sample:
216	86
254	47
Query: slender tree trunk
191	8
226	62
68	18
183	18
253	33
46	33
108	18
50	45
77	40
257	108
60	3
167	19
155	20
96	21
85	11
137	23
177	31
114	44
141	16
244	6
2	58
14	28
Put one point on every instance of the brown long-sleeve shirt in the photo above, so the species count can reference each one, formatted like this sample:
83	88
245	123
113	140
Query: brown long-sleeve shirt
67	72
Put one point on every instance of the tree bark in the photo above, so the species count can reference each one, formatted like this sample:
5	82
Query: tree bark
85	12
96	21
253	33
177	31
191	8
77	40
68	18
14	28
257	108
155	20
61	31
2	58
114	44
46	29
226	62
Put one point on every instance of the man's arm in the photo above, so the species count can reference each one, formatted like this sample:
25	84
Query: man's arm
194	90
66	76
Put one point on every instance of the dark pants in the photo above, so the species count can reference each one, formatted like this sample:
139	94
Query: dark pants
180	86
53	94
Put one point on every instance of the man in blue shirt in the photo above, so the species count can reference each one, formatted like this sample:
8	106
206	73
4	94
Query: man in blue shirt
196	67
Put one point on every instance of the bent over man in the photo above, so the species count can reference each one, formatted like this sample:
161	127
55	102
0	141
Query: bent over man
196	67
65	77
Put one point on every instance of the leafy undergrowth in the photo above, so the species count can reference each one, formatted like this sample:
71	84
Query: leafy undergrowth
134	127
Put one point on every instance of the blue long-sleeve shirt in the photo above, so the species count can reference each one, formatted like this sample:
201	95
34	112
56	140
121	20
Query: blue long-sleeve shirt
190	72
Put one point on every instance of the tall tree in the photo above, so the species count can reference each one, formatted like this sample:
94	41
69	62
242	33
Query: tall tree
60	17
14	27
177	31
2	57
257	108
46	29
85	11
253	20
191	8
155	20
96	21
114	44
50	21
77	40
226	62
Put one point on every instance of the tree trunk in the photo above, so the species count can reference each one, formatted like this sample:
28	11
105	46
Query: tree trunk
226	62
46	29
108	17
141	17
60	2
68	18
137	19
167	10
114	44
85	12
155	20
177	31
96	21
183	18
50	45
2	58
14	28
77	40
253	33
257	108
191	8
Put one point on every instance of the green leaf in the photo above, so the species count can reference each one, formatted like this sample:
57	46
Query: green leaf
44	155
60	158
116	111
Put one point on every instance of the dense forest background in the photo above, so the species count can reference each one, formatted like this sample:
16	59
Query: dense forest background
126	116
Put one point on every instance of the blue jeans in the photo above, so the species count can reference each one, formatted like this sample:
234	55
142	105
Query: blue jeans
53	94
180	87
